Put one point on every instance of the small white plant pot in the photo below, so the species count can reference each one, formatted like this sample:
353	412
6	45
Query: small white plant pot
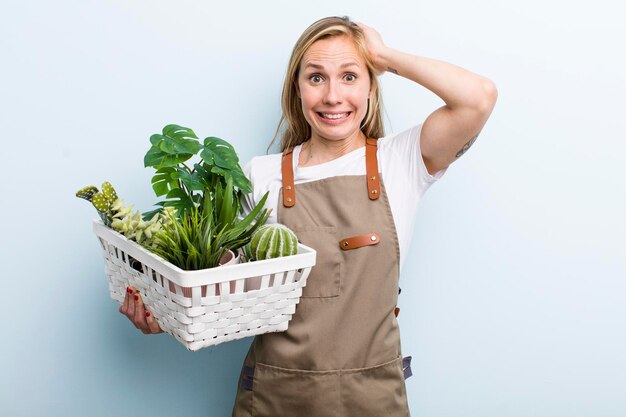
229	258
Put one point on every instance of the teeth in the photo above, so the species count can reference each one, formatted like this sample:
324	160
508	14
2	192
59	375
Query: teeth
334	116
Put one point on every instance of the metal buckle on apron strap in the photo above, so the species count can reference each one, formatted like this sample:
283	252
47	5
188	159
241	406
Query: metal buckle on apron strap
248	378
406	367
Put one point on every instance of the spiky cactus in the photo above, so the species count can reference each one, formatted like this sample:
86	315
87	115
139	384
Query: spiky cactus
271	241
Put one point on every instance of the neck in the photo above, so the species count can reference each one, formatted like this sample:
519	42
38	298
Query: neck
318	150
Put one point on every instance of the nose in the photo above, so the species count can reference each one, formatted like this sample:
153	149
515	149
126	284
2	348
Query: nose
332	95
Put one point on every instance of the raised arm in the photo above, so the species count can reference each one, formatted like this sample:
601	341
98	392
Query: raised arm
449	131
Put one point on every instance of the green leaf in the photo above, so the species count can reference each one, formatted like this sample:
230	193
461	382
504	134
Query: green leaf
156	139
193	181
241	182
218	152
179	132
149	214
177	144
162	181
204	175
178	198
156	158
226	208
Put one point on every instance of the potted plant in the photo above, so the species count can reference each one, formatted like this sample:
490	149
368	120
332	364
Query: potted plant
170	254
206	197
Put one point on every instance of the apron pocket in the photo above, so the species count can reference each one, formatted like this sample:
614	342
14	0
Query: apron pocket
280	392
374	392
326	276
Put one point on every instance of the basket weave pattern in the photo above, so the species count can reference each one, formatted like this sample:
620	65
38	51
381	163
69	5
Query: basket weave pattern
205	308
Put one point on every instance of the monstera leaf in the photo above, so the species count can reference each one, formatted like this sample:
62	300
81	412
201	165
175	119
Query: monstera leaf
217	174
176	145
221	158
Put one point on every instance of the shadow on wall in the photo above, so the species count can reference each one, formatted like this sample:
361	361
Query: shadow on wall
156	372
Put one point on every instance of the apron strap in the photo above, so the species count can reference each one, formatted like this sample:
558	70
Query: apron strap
371	168
289	189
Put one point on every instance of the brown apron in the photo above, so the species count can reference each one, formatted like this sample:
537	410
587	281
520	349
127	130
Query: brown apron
341	355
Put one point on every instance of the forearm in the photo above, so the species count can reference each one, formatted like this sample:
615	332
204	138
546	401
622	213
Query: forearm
456	86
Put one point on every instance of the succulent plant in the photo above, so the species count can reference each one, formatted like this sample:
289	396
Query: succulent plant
272	241
131	224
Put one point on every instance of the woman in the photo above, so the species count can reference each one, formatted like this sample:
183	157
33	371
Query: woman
351	193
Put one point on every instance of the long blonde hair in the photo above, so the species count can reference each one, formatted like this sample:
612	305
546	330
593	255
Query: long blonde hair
296	128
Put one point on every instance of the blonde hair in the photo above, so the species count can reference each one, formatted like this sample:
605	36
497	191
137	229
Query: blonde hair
296	128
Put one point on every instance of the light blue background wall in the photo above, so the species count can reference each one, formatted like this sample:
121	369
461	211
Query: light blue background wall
513	299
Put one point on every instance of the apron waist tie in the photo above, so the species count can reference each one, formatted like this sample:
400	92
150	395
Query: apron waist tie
247	378
406	367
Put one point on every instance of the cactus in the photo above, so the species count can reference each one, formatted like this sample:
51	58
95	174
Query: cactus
100	202
121	218
272	241
109	192
87	192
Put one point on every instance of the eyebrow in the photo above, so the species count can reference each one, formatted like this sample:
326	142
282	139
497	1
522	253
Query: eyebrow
317	66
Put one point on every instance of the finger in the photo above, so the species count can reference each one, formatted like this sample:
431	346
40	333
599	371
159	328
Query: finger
140	313
124	307
132	301
152	323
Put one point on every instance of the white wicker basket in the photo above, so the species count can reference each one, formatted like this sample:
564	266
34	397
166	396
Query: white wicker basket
211	306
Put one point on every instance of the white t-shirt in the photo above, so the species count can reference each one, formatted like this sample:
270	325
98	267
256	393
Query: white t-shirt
400	164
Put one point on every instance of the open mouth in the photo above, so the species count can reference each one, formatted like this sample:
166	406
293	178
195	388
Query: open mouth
334	116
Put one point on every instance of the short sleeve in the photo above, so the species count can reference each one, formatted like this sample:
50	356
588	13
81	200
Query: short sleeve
406	146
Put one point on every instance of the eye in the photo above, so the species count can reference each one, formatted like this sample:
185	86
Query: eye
315	78
350	77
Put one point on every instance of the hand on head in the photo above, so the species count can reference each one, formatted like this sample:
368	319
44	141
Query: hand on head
375	46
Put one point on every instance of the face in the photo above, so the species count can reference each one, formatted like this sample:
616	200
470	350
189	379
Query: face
333	85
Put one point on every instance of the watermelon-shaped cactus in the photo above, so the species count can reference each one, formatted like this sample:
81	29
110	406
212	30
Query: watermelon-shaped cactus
273	241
